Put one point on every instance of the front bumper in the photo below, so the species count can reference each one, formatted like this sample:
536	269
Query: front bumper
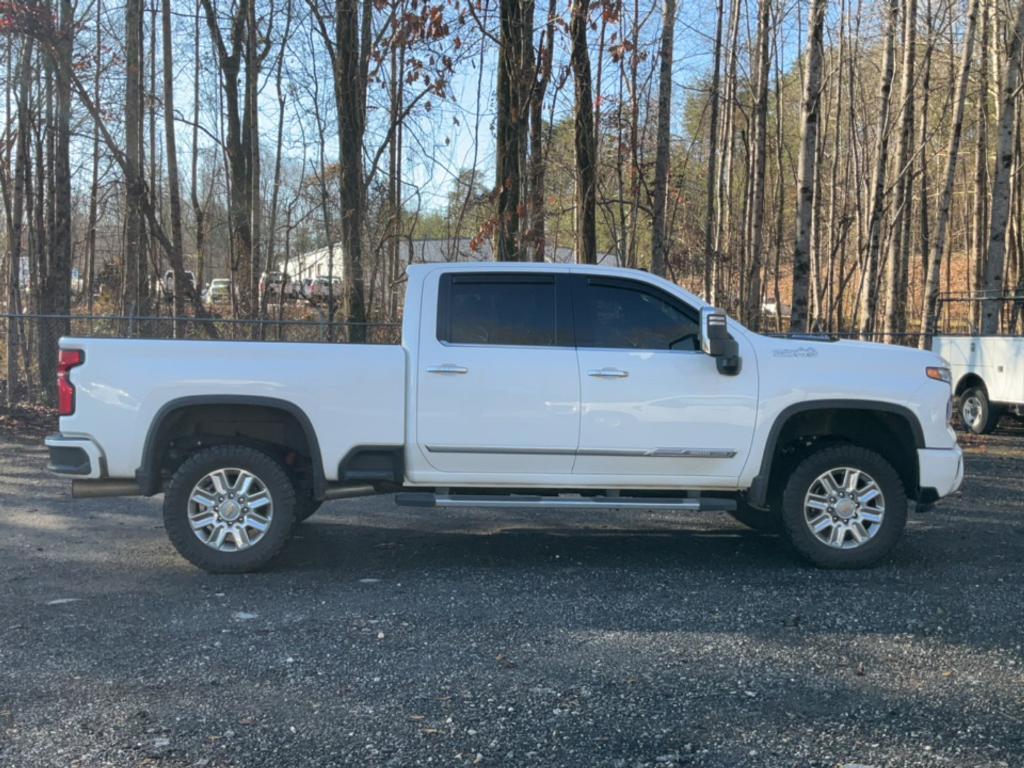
940	471
78	457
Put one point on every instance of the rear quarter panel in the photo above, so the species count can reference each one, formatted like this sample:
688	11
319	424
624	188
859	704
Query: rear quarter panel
352	394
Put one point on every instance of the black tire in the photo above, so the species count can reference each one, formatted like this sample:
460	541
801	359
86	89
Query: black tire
761	520
977	413
305	506
176	509
882	539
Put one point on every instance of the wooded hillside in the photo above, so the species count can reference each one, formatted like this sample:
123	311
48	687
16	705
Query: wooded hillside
823	165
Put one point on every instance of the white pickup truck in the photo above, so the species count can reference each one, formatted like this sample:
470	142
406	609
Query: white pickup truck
516	385
988	377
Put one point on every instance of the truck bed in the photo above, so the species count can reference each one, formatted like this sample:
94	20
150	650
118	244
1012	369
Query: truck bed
124	383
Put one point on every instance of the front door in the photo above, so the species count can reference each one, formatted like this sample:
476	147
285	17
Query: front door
654	407
498	383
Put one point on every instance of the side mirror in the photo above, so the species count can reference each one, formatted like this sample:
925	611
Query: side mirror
716	342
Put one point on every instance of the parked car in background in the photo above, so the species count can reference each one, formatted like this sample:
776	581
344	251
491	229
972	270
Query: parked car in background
219	291
516	386
318	289
275	284
988	377
987	371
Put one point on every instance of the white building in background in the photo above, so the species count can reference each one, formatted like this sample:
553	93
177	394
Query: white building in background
316	263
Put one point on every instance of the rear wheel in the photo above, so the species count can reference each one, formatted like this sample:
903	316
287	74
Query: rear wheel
229	509
844	507
977	413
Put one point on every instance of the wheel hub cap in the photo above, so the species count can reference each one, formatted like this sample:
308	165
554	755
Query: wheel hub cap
230	509
971	411
844	507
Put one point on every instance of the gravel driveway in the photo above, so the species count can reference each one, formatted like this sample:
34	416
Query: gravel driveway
396	637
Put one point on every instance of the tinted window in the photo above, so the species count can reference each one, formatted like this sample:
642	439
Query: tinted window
620	317
502	312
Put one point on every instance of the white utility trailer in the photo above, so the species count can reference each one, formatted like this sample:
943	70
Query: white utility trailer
987	371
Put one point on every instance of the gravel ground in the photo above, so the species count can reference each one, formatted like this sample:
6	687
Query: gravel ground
395	637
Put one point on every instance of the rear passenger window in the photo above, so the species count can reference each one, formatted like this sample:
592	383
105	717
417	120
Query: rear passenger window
508	311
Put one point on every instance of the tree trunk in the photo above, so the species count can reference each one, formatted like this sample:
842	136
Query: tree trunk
237	146
807	168
898	256
586	149
134	260
510	112
535	235
176	256
993	277
980	220
711	212
869	283
659	233
350	98
94	186
755	211
931	289
197	208
22	174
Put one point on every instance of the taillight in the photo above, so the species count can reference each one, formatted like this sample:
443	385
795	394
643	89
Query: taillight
68	359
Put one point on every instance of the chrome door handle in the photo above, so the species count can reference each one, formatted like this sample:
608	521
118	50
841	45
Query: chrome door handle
608	373
447	368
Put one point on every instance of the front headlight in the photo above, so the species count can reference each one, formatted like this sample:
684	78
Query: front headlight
939	374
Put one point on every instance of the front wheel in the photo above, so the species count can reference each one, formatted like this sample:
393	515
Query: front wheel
844	507
229	509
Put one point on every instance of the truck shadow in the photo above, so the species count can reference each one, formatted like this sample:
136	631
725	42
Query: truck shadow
347	537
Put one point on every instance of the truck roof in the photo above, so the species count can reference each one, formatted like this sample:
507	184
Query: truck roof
538	266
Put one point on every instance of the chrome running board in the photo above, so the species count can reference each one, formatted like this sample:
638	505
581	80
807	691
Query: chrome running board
562	501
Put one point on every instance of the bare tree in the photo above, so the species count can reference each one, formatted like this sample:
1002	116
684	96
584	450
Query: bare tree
807	169
535	235
934	272
995	263
586	147
758	166
181	286
511	117
711	209
134	242
659	234
899	246
876	208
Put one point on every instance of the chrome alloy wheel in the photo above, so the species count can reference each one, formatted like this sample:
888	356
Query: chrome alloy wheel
970	411
844	507
230	509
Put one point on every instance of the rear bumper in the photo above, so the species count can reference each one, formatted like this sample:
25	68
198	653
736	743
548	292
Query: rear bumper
77	457
940	471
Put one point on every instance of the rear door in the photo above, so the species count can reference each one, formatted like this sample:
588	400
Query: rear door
653	405
498	385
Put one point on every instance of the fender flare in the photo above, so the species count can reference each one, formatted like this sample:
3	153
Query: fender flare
148	473
757	494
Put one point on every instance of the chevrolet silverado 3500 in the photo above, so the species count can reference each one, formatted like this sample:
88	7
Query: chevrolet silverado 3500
516	385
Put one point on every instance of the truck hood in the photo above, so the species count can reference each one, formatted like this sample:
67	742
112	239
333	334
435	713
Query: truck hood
846	352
